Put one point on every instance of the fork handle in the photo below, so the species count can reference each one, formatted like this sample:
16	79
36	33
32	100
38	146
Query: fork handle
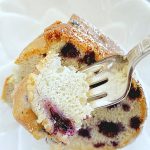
139	52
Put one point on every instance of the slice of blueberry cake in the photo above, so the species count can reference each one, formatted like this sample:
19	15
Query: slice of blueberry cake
75	49
74	45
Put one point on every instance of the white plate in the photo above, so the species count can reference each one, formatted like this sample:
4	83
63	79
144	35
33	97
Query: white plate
125	21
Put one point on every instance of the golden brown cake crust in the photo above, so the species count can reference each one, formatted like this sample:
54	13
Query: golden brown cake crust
68	33
94	33
23	113
36	47
7	89
78	38
78	145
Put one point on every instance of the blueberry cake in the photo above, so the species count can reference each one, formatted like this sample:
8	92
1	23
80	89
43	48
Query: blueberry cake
76	44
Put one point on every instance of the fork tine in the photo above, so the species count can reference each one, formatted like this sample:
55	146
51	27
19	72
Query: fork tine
99	83
97	97
94	68
94	79
100	103
97	91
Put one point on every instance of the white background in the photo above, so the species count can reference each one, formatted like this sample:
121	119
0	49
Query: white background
125	21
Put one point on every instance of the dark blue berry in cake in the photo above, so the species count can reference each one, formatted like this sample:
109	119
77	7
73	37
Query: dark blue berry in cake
98	145
110	129
126	107
135	122
84	132
70	51
134	92
89	58
44	55
115	144
61	123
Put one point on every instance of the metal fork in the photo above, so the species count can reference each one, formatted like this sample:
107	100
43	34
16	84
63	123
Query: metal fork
110	79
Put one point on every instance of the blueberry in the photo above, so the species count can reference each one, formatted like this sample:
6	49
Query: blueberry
135	122
134	92
84	132
110	129
126	107
114	143
70	51
89	58
98	145
61	123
